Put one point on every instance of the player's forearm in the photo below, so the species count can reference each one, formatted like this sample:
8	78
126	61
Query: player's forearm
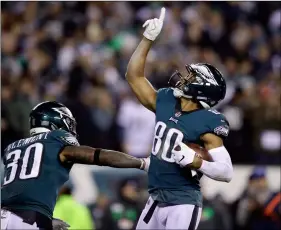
92	156
119	160
221	168
137	62
217	170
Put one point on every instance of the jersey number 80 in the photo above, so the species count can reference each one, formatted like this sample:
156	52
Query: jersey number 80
164	141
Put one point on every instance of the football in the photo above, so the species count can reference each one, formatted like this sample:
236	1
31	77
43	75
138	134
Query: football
201	151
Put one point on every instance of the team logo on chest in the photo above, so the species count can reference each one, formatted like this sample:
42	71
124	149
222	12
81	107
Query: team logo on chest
173	119
177	114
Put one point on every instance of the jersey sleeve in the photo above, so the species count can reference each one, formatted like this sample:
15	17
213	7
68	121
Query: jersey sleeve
65	138
163	93
219	126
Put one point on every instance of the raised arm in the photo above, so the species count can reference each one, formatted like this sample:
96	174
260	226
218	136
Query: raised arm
103	157
144	91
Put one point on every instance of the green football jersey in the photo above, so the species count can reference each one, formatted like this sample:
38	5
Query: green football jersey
167	181
33	173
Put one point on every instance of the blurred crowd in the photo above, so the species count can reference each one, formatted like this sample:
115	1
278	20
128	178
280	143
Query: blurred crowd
258	207
77	53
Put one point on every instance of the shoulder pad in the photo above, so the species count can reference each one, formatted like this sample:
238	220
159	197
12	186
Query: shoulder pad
164	90
217	114
218	124
65	137
214	111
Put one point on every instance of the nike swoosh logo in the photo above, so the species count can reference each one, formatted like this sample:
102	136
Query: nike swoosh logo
182	158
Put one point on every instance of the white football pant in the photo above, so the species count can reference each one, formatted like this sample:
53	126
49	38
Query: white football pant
154	216
12	221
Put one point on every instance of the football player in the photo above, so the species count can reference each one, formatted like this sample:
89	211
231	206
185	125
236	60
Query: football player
183	115
36	167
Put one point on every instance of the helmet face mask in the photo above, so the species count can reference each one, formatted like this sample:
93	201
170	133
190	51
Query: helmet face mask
67	118
203	83
177	80
49	116
71	122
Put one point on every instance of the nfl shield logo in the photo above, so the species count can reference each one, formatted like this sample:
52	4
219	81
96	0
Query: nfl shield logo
177	114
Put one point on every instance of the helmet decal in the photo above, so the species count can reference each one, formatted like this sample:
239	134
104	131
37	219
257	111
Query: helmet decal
202	82
36	106
205	73
63	111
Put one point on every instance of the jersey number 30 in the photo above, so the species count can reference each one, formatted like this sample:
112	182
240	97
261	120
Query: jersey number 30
26	171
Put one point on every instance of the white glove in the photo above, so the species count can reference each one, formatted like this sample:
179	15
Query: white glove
145	164
184	155
154	26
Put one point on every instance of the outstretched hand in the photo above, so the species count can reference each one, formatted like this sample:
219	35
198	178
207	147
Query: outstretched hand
154	26
145	164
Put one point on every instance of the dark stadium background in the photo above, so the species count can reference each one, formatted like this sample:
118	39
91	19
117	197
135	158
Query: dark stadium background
77	53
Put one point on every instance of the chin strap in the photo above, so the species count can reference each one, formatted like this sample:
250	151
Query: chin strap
205	105
179	93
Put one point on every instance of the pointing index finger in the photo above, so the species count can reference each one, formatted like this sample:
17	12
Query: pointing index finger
162	14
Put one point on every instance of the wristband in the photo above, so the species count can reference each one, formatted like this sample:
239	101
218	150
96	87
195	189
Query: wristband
97	157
